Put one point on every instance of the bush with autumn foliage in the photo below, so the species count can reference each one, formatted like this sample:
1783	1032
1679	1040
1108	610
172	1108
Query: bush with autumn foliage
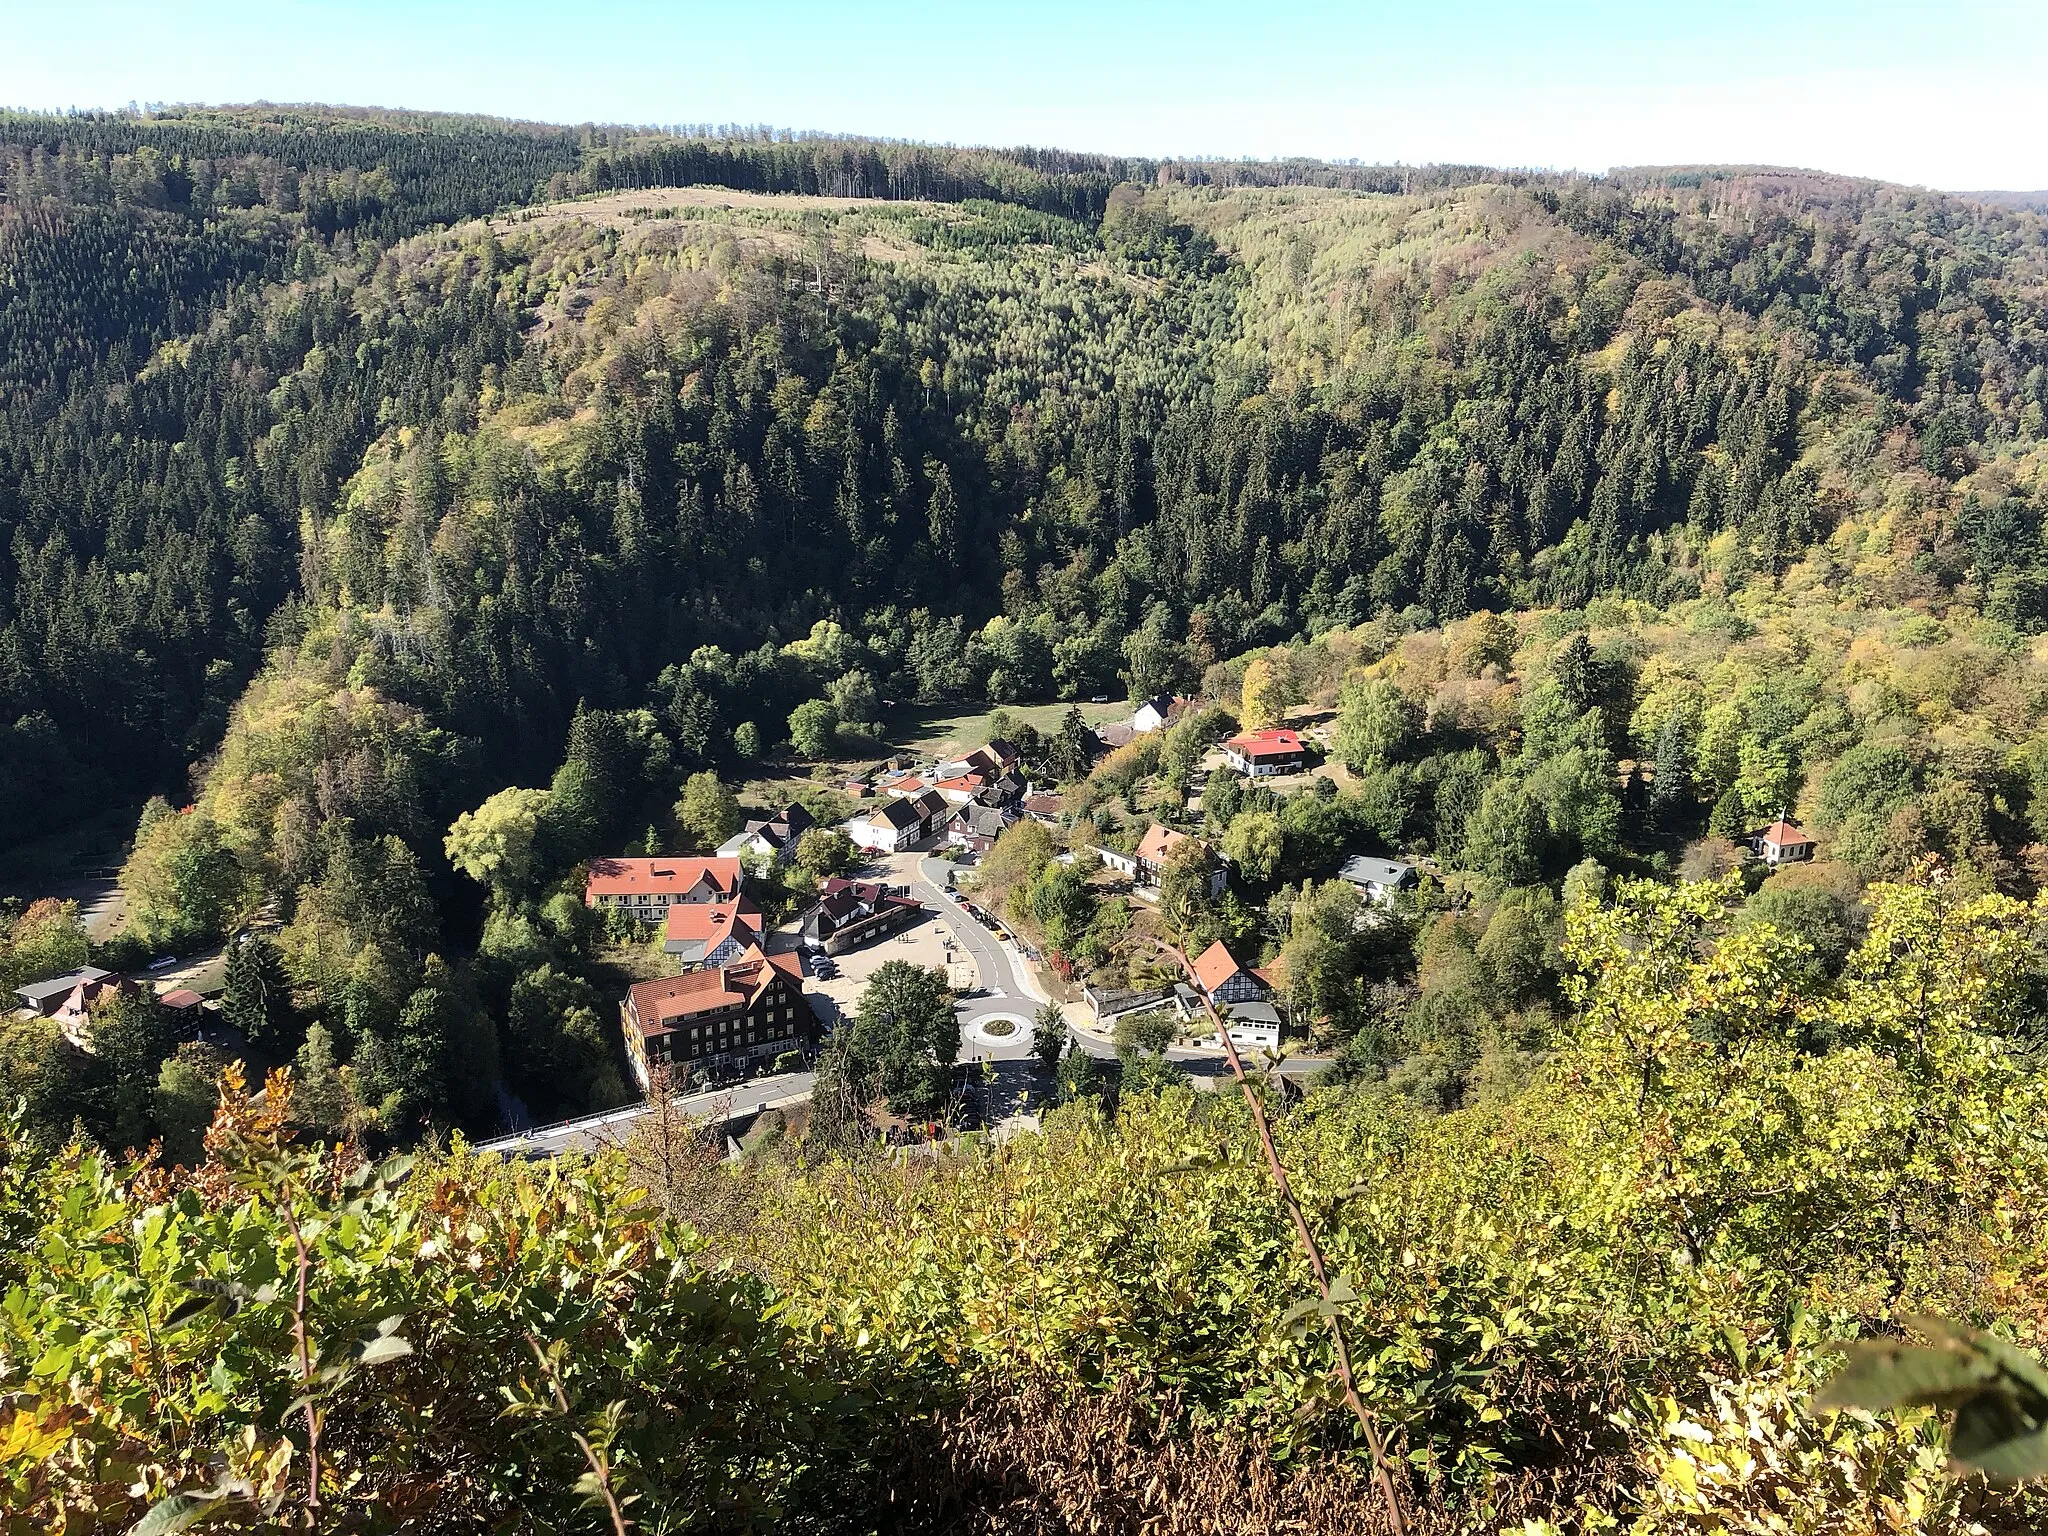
1607	1298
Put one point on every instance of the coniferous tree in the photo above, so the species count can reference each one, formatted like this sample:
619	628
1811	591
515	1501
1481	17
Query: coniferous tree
257	996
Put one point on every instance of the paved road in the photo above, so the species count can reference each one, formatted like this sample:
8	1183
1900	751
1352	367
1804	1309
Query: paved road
611	1129
1009	997
1003	993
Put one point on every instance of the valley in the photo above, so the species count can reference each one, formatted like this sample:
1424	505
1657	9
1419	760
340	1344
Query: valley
1486	730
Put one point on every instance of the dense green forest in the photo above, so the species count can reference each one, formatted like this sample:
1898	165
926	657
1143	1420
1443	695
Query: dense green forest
1211	417
402	510
352	512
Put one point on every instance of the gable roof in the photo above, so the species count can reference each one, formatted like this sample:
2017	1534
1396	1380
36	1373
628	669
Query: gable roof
897	815
786	825
635	877
658	1005
993	757
711	923
1116	733
988	820
1273	742
1782	834
1159	841
845	898
1214	966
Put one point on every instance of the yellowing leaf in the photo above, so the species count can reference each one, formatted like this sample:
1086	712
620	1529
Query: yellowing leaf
28	1439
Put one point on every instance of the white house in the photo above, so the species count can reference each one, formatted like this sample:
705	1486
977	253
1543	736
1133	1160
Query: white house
1782	843
1157	713
1253	1026
896	825
773	837
1266	754
1377	879
649	887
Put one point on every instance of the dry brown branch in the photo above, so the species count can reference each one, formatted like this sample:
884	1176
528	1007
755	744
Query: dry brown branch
1368	1421
1043	1460
600	1467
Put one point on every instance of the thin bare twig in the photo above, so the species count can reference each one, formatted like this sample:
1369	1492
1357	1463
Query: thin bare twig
1368	1421
600	1471
303	1349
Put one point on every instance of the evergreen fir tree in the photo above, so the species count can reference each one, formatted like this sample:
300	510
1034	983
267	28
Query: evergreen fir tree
257	999
1671	782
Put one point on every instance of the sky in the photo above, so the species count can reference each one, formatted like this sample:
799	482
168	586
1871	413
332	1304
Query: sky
1943	93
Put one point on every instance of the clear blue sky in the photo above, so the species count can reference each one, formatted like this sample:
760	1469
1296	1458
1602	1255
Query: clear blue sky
1948	93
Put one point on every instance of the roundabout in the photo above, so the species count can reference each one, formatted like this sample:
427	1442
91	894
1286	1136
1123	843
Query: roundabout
1004	1031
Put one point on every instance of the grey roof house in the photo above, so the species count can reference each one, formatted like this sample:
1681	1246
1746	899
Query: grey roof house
46	997
1377	879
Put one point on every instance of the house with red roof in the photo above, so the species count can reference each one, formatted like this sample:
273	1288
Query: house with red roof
725	1021
1782	843
962	789
647	888
707	934
1266	754
1144	866
1224	980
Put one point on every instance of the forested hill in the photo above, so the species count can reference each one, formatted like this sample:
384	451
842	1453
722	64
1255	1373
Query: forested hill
418	508
1152	427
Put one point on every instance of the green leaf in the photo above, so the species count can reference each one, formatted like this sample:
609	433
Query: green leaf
1883	1374
386	1346
1992	1436
175	1513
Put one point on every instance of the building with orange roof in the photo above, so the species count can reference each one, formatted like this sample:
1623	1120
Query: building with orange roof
711	933
1782	843
1266	754
724	1022
961	789
1224	980
1145	866
647	888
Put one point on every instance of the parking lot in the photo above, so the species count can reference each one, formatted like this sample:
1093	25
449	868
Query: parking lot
926	942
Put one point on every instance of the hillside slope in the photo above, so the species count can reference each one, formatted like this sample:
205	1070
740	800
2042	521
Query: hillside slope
1479	391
